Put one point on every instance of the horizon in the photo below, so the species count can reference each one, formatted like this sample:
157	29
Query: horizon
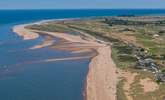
91	9
79	4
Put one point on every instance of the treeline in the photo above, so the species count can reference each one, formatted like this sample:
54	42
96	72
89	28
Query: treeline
115	21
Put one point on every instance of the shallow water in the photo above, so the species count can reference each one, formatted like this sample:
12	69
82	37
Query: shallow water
45	81
23	79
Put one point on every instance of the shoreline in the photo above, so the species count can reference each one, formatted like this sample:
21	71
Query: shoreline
101	79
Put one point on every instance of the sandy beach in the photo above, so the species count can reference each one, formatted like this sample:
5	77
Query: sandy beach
101	79
25	33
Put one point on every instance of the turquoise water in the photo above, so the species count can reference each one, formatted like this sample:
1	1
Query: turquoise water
22	79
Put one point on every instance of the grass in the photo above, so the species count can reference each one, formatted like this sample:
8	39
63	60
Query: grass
124	59
122	52
120	91
51	28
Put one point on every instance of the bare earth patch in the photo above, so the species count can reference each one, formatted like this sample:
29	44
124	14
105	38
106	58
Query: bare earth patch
127	37
149	85
129	79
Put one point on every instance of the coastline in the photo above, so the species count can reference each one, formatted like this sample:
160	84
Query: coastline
101	79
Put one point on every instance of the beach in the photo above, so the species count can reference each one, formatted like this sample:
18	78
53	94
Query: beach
22	32
101	79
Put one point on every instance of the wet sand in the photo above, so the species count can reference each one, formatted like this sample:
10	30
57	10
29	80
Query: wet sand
101	79
48	41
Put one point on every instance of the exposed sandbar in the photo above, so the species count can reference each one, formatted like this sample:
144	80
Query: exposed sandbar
24	33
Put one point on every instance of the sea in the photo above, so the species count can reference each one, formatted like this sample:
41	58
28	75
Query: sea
22	79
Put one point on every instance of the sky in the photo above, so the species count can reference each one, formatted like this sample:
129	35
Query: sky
78	4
